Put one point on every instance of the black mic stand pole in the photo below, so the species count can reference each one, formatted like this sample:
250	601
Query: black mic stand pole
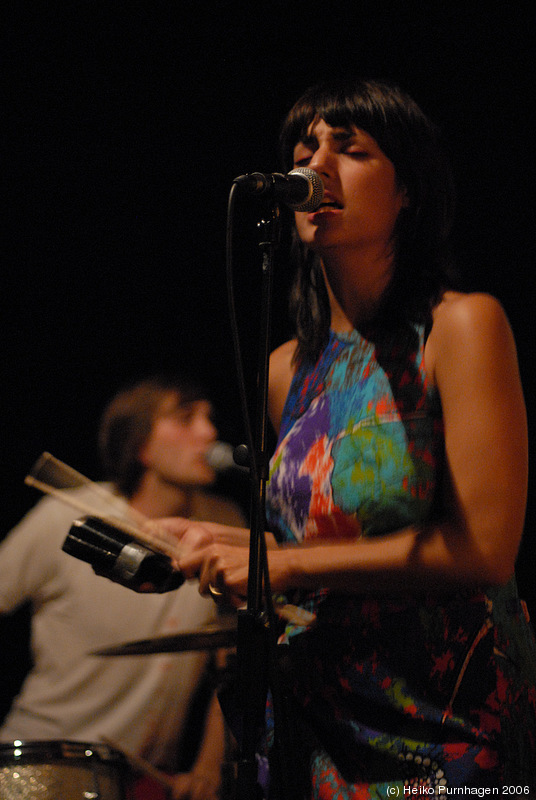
257	670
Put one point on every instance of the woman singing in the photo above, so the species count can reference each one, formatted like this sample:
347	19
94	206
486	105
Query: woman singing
398	486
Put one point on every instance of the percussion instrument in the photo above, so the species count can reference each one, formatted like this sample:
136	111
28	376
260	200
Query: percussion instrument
63	770
209	637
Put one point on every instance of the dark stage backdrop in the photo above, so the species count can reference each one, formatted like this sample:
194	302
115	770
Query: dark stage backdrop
125	124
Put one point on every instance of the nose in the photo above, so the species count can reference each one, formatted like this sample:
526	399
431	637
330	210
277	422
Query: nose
322	161
205	428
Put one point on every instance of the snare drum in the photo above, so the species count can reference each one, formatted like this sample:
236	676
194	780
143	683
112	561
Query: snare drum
62	771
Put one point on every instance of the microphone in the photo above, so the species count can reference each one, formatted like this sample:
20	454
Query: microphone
301	189
223	457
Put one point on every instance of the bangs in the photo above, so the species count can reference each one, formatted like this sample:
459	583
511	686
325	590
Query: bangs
414	146
365	106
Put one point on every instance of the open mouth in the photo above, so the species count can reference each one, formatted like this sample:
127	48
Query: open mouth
329	203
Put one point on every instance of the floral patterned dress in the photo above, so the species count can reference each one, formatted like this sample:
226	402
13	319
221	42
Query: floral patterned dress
397	691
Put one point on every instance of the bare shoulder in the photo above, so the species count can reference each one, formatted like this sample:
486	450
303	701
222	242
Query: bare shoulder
459	310
468	323
281	358
281	373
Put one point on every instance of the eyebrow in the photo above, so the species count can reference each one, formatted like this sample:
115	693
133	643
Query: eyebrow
339	134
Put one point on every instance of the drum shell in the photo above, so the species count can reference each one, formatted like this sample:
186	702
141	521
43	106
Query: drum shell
63	770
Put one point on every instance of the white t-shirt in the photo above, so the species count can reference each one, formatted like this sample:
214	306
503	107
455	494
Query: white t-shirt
141	702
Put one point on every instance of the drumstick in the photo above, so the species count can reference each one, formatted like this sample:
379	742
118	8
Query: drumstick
141	764
67	477
153	541
51	471
50	475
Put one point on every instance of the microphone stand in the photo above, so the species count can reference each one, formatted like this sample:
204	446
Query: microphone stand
256	646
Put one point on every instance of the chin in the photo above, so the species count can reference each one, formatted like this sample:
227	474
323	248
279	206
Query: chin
206	477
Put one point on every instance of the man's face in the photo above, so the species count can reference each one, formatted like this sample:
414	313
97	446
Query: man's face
180	439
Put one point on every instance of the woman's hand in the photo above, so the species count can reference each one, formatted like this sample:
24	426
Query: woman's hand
184	536
175	529
190	532
216	554
220	568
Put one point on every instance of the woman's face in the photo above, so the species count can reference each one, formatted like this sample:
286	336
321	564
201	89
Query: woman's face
362	199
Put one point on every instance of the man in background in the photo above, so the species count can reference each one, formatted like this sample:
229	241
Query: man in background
154	440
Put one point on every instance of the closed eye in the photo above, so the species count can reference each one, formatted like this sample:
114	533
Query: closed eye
355	152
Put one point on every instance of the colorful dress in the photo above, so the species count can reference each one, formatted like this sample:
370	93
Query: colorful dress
403	690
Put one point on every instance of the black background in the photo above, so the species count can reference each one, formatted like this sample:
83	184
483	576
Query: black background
126	124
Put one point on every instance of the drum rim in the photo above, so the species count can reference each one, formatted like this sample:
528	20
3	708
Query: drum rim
21	749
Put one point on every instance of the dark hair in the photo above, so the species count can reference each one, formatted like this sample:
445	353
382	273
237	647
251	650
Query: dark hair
412	143
127	422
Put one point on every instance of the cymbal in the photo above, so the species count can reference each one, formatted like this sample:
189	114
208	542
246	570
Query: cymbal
209	637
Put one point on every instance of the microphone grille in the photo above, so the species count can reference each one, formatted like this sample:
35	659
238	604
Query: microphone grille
316	190
223	456
220	457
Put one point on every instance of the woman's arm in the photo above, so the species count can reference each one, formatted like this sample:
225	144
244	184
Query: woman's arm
471	355
486	439
281	373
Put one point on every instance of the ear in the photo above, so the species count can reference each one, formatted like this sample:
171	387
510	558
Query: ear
143	455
